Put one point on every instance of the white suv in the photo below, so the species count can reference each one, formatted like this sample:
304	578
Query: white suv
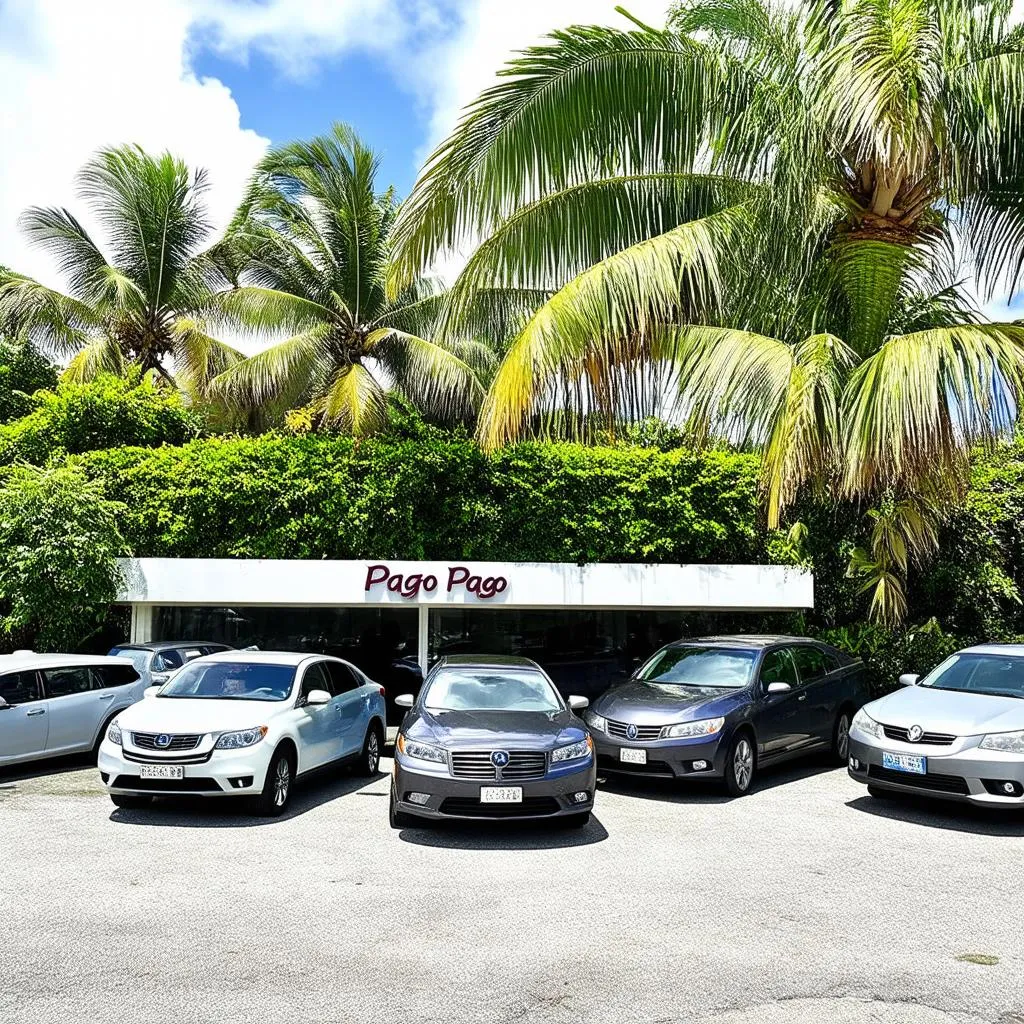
57	704
243	724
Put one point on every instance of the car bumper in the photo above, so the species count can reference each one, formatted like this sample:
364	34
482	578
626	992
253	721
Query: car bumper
449	798
224	773
665	759
968	775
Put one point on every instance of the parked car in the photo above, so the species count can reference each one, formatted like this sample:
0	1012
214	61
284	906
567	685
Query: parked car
726	707
57	704
957	734
244	724
156	661
490	737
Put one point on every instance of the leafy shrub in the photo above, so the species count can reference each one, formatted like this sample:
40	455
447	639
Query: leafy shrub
60	542
109	411
23	371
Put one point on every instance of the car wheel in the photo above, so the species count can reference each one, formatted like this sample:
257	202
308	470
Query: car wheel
740	765
103	732
130	803
577	820
369	759
277	787
397	818
841	738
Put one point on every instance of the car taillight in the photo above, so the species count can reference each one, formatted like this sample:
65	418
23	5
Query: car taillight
382	690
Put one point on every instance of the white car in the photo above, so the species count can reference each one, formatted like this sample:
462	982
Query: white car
52	705
243	724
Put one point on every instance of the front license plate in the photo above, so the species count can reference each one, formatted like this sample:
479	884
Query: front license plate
909	763
162	771
501	794
631	756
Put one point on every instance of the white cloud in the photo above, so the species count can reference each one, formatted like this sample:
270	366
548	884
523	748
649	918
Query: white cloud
75	76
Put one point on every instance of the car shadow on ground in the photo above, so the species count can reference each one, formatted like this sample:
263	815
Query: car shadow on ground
503	835
951	817
231	812
712	791
50	766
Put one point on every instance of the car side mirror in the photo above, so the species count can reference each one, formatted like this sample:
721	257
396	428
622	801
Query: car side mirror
578	703
317	697
779	687
404	700
4	706
150	691
909	679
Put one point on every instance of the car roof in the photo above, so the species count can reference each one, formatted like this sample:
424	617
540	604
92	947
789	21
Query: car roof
28	661
741	640
163	645
291	658
488	661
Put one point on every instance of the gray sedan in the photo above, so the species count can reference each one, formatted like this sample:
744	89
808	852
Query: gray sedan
957	734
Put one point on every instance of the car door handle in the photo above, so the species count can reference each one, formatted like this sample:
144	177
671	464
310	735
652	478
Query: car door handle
35	711
803	696
106	696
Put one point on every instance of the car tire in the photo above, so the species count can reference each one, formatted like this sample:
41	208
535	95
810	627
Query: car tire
277	786
130	803
577	820
369	760
740	765
103	732
398	819
841	738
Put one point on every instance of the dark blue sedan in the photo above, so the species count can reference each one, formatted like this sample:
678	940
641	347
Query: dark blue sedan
725	707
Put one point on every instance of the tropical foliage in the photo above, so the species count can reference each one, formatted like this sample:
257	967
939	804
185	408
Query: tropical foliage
23	371
752	220
310	250
140	297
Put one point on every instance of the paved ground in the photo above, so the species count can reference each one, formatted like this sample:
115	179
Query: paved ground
807	901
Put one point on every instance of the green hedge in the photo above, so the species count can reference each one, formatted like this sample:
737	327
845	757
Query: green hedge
23	371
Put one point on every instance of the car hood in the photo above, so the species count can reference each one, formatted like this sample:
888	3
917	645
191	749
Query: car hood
179	714
532	729
948	711
644	703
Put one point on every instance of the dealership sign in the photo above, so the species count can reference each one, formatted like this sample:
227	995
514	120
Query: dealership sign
413	584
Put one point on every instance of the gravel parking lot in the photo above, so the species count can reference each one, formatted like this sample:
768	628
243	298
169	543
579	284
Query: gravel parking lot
805	901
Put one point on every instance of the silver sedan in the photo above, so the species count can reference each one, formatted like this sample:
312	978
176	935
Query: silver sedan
957	734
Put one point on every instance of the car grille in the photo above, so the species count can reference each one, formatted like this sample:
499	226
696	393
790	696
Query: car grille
936	739
130	755
147	741
607	763
643	732
937	783
522	764
536	806
133	782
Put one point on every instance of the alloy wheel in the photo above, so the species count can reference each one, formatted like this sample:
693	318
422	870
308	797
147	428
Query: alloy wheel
843	737
743	763
282	782
372	753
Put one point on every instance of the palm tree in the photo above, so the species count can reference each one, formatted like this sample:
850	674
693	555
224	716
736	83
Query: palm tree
759	213
141	301
310	250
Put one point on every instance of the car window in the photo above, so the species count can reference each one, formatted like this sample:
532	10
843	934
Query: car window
832	659
315	678
138	657
20	688
228	680
191	653
343	678
214	648
778	667
811	663
723	668
116	675
167	661
63	682
489	689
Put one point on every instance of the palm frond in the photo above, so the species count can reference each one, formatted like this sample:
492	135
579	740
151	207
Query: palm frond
354	401
97	357
199	358
265	311
53	321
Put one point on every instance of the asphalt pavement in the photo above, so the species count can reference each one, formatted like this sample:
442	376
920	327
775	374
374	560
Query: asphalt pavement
806	901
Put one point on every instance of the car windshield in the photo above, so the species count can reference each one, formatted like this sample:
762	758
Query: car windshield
486	689
718	668
140	659
230	680
998	675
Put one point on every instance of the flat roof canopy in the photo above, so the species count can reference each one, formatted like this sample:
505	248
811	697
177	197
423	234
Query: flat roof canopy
281	583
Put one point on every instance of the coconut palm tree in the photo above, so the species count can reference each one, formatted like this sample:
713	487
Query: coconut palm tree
310	251
140	297
767	209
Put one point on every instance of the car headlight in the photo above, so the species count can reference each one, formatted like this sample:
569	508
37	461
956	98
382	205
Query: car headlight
422	751
866	724
114	733
242	738
595	721
572	752
1010	742
687	730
